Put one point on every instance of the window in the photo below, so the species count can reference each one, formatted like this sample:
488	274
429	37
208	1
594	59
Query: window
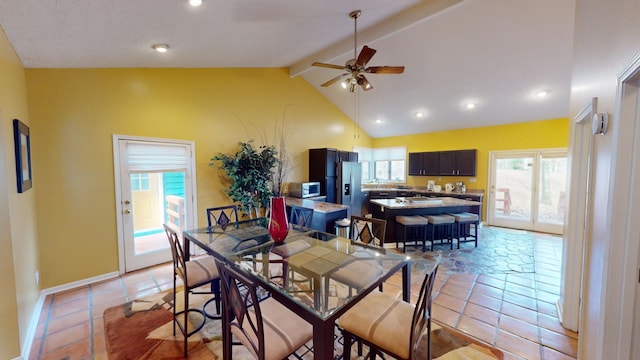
383	164
139	182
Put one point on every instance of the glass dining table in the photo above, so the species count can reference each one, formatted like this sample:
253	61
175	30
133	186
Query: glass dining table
317	275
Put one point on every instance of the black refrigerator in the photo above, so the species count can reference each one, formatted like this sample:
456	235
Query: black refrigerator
348	190
323	168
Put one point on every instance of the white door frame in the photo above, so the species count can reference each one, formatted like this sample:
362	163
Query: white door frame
190	204
577	230
621	278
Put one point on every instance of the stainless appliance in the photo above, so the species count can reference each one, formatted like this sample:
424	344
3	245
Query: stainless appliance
304	189
348	186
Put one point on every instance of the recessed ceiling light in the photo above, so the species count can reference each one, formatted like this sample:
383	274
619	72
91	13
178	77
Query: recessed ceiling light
378	121
542	93
195	3
470	106
161	48
419	114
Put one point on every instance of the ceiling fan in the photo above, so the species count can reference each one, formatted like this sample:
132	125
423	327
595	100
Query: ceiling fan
357	67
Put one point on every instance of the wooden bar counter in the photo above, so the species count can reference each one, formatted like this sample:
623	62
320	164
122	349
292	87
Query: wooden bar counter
388	209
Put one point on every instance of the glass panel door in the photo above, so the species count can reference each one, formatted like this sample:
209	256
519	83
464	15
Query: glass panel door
154	187
512	191
551	193
527	190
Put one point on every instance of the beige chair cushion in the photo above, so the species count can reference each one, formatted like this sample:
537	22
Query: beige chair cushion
441	219
287	249
200	271
359	273
465	217
411	220
382	320
284	331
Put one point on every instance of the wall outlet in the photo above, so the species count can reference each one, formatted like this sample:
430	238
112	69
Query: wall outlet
472	180
37	276
285	189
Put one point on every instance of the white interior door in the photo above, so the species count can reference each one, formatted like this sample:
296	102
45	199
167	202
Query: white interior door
154	186
526	190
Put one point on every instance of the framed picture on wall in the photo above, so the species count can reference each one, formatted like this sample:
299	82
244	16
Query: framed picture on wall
22	141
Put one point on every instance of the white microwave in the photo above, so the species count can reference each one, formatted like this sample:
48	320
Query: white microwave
304	189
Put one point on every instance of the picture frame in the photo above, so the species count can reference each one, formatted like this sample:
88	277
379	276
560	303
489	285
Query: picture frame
22	141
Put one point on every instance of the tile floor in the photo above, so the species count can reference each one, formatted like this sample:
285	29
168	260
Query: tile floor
502	292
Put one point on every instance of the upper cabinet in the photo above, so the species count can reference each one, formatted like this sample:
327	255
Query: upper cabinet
458	163
443	163
424	163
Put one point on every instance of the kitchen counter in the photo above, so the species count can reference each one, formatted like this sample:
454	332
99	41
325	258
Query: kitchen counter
388	209
424	191
317	206
421	203
324	214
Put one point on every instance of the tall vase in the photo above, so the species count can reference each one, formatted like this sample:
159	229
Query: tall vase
278	223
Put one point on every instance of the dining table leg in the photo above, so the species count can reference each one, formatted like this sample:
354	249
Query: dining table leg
406	282
323	332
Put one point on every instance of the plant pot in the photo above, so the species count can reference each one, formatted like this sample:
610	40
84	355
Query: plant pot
278	223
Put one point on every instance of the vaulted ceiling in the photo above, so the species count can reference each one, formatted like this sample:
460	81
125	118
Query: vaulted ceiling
495	54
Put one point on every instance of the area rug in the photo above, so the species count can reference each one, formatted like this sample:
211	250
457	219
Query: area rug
143	329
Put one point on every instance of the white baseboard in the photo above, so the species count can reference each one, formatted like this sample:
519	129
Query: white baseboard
33	325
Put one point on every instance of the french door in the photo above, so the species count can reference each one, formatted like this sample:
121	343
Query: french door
527	189
154	186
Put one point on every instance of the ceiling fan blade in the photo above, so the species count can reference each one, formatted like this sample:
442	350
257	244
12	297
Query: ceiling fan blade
334	80
365	55
330	66
364	83
385	70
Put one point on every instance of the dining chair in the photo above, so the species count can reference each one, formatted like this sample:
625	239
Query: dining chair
300	217
222	215
368	230
194	274
365	269
267	329
389	325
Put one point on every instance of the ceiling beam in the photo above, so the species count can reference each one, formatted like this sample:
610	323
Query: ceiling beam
381	30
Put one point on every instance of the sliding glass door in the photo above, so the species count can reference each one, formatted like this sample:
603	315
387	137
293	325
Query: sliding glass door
527	190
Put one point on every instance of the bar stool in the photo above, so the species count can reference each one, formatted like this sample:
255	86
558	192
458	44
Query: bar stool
444	224
417	224
463	227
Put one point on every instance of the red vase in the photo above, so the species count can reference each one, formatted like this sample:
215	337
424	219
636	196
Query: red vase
278	223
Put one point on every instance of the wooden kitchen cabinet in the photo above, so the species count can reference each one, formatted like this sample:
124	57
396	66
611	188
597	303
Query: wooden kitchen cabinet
458	163
424	163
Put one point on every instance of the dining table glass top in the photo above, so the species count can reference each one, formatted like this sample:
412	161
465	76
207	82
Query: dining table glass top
321	271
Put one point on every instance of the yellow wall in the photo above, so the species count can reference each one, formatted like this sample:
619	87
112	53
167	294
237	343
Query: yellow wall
18	242
529	135
75	112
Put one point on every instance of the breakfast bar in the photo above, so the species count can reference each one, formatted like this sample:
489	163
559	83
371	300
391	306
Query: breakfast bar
388	209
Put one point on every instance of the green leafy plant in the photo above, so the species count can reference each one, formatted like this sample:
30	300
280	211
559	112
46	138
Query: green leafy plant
251	173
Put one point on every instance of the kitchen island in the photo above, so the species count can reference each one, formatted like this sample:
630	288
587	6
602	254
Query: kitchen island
388	209
324	214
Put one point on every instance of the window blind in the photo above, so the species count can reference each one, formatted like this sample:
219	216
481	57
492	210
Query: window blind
150	157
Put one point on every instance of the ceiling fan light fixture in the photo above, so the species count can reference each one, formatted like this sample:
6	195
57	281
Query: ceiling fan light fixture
161	48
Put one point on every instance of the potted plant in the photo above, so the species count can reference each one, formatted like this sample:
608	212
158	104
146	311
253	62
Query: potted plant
250	172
